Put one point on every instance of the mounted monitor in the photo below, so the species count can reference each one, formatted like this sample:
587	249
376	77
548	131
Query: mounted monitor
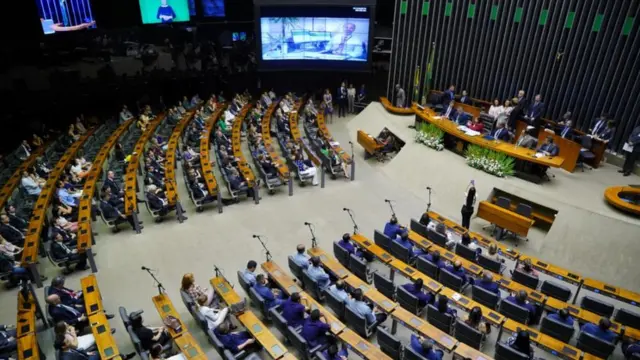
164	11
213	8
65	15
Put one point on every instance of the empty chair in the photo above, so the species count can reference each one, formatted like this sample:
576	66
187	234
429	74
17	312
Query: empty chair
400	252
628	318
556	329
358	267
341	254
489	264
296	270
451	281
465	252
336	304
440	320
301	344
556	290
468	335
124	316
258	302
586	154
245	286
358	323
524	210
485	297
427	267
503	202
311	286
525	279
596	306
384	285
279	321
437	238
389	344
506	352
408	301
595	346
515	312
419	228
382	240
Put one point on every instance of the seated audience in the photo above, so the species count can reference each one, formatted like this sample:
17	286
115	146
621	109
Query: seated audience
62	252
520	299
562	316
416	289
425	348
403	240
294	311
317	273
9	232
434	257
496	109
213	315
67	296
149	336
30	185
520	342
457	270
549	148
501	132
338	290
443	306
300	257
601	331
372	315
333	353
476	125
316	329
528	140
487	283
475	321
248	274
112	213
8	339
271	297
392	229
526	267
196	291
71	345
68	314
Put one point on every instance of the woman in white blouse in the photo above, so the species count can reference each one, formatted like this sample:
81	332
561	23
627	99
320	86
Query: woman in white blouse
496	109
508	106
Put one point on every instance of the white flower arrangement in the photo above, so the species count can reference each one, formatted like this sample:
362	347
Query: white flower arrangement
430	136
489	161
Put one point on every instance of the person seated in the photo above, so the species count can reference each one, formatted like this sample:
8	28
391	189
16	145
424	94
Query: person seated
36	140
66	197
306	168
351	248
496	109
67	296
457	270
149	336
475	321
629	349
442	304
8	340
494	254
408	244
300	257
235	341
267	165
415	289
194	290
157	202
441	229
521	343
561	316
338	290
520	299
601	331
333	353
71	345
487	283
212	314
68	314
265	99
461	117
315	329
392	229
549	148
424	219
564	128
317	273
9	251
501	132
476	125
271	297
528	140
372	314
16	220
526	267
61	252
125	114
294	311
425	348
111	213
248	274
29	184
434	257
112	184
449	112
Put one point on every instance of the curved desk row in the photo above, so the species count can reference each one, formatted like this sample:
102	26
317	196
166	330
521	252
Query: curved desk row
170	158
623	197
183	339
14	180
85	233
26	337
100	327
236	143
296	135
394	109
38	217
334	145
205	163
131	174
283	169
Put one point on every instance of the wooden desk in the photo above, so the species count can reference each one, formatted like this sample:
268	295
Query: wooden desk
611	291
369	143
84	239
25	323
28	348
425	329
612	195
548	343
579	313
537	216
131	174
496	319
567	149
262	334
553	270
244	168
91	294
189	347
16	177
283	169
330	263
26	304
297	138
361	346
322	126
226	292
500	146
101	331
504	218
464	351
205	163
394	109
170	158
371	247
38	216
165	307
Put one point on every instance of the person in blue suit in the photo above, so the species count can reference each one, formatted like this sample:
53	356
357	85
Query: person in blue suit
629	349
520	299
60	312
315	329
460	117
293	310
406	243
536	109
435	258
449	112
425	348
449	94
269	295
601	331
415	289
332	353
457	270
488	284
392	229
443	306
608	132
233	341
549	148
501	132
346	244
562	316
166	14
566	131
465	98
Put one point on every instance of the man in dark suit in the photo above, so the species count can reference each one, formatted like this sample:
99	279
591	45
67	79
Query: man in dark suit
113	213
566	130
15	220
156	202
60	251
449	112
460	116
598	125
606	134
111	183
342	100
68	314
500	132
522	99
549	148
449	94
535	111
9	232
24	150
631	156
465	98
67	296
8	343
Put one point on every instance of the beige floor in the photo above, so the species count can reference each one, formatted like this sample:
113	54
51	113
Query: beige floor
584	227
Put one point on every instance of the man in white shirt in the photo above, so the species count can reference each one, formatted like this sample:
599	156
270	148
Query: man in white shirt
338	291
300	258
248	274
214	317
30	185
347	44
125	114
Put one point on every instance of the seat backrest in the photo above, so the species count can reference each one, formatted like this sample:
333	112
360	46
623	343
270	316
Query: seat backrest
311	285
468	335
489	264
556	290
356	321
410	354
137	344
336	304
245	286
506	352
407	300
628	318
389	344
524	210
503	202
515	312
382	240
258	301
419	228
586	142
599	307
297	340
427	267
437	238
485	297
124	316
594	346
384	285
320	355
358	267
466	252
279	321
400	252
296	270
525	279
450	280
556	329
341	254
438	319
189	303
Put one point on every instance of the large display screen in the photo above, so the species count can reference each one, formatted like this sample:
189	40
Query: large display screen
213	8
65	15
164	11
310	36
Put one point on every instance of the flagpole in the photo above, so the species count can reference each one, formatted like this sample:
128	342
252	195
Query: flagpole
428	75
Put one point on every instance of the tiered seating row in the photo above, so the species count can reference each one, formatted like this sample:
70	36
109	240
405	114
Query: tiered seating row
297	137
170	158
28	348
14	180
334	145
283	169
236	142
205	162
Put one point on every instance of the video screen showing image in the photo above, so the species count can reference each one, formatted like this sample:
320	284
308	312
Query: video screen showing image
65	15
164	11
213	8
192	7
314	38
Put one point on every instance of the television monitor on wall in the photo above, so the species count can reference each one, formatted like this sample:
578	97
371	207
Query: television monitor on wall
164	11
308	36
213	8
65	15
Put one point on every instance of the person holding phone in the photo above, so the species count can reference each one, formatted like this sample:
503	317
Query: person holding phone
467	207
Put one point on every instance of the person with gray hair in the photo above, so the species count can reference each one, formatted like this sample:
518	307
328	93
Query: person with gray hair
527	140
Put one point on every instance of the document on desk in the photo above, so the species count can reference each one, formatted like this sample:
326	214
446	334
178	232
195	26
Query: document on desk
539	155
467	131
334	143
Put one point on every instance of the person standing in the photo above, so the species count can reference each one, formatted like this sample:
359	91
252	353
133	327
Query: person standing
632	150
327	104
400	96
470	201
351	97
342	100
